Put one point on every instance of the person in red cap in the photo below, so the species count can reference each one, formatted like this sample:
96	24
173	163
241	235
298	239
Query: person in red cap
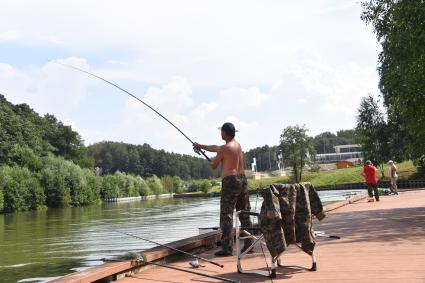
234	191
369	173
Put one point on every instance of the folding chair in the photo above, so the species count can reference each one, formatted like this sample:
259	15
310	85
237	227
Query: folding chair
242	234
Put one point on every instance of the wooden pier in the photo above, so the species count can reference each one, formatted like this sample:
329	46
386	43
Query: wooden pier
380	242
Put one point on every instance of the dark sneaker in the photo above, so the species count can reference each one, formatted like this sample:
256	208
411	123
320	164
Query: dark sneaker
222	253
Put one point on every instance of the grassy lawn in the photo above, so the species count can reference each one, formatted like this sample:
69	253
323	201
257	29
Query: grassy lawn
342	176
406	170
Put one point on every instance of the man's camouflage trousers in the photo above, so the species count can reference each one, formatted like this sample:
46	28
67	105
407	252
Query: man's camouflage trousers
234	194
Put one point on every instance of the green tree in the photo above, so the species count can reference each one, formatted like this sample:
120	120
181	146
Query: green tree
373	132
399	28
178	185
110	187
21	189
143	187
1	200
57	193
205	186
155	185
25	157
325	142
297	148
266	157
145	161
168	183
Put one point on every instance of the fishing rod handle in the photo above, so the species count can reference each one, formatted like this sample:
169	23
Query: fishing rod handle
203	153
212	262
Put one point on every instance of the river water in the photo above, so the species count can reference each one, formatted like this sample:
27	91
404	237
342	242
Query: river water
38	245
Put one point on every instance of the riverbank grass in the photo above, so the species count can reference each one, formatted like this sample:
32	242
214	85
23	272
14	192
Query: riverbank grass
406	170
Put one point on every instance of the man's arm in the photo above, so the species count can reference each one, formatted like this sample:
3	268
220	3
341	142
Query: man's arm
210	148
216	161
241	165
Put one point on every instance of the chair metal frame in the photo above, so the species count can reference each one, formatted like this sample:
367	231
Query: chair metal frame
275	261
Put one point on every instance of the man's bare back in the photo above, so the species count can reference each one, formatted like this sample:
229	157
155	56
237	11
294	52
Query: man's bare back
231	158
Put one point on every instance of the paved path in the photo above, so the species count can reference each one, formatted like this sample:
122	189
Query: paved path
380	242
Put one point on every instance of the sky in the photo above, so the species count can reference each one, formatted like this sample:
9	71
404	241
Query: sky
263	65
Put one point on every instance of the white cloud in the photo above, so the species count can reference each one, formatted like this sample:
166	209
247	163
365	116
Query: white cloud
238	98
175	94
50	88
263	65
9	36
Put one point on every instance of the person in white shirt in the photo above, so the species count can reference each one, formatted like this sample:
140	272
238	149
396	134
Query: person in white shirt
392	173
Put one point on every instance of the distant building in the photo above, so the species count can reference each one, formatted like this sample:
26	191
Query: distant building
349	152
347	148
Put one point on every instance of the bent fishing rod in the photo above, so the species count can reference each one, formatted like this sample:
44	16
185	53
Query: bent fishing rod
171	248
198	151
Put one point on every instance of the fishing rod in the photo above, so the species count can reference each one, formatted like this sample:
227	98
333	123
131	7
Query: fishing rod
193	272
140	258
198	151
171	248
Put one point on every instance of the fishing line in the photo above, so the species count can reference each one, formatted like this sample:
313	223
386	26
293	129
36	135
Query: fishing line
198	151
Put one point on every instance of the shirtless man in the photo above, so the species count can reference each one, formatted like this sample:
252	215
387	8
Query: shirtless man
234	191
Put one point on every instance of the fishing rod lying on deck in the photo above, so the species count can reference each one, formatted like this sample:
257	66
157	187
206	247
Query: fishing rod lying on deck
141	259
172	248
198	151
193	272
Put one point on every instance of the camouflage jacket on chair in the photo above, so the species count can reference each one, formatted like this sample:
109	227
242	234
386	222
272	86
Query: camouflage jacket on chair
271	221
298	203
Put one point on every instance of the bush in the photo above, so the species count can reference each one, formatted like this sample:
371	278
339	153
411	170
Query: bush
110	187
21	189
315	168
24	156
76	182
421	163
132	189
205	186
155	185
66	183
1	200
178	185
94	183
57	193
193	187
127	184
168	184
143	187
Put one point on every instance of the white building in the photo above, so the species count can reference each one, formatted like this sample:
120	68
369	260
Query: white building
349	152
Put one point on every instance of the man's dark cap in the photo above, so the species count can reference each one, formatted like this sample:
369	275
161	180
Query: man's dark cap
229	129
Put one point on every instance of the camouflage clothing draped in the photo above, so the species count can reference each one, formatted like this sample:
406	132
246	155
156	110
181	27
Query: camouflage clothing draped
271	222
297	204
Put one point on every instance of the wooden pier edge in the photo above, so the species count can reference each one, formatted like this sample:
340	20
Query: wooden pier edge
114	270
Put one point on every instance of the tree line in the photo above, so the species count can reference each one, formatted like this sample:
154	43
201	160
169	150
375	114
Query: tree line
267	157
44	163
145	161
